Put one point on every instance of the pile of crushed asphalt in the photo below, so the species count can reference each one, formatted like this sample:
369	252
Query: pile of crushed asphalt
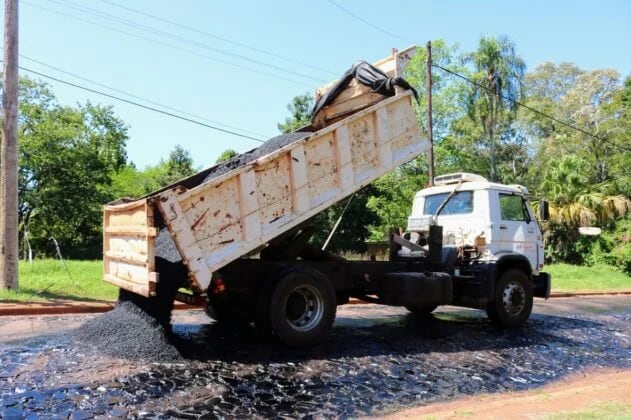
164	245
126	331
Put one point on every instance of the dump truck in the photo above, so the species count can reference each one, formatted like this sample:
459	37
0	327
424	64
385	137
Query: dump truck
236	237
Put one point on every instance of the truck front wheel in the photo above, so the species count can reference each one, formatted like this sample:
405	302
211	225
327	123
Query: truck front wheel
512	303
302	308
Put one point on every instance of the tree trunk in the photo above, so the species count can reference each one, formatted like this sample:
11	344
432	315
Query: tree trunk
9	256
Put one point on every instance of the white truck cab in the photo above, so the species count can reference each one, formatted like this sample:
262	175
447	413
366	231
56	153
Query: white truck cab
485	219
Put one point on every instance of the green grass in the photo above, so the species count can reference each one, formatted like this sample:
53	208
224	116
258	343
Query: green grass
605	410
574	277
48	279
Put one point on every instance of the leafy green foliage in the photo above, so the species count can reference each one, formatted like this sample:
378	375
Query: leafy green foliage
226	155
613	247
499	74
66	162
178	166
300	113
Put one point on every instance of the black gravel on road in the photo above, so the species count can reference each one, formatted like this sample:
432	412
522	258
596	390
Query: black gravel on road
126	331
366	366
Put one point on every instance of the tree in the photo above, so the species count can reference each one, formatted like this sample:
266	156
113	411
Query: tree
67	159
300	113
573	203
178	166
499	74
226	155
587	100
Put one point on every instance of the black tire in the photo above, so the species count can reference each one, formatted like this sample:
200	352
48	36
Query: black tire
421	309
302	308
159	306
512	303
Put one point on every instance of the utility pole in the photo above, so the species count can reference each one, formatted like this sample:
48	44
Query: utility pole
9	152
430	134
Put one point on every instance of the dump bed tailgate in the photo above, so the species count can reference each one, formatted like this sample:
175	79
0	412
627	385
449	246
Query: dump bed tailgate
128	243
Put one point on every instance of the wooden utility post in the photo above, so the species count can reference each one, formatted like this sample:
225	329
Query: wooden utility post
9	152
430	135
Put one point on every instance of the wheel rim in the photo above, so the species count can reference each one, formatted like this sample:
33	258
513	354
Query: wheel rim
514	298
304	308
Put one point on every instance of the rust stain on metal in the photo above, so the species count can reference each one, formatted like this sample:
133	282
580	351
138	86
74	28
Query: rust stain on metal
201	219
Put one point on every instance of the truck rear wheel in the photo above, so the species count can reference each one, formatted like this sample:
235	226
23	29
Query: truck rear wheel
302	307
512	303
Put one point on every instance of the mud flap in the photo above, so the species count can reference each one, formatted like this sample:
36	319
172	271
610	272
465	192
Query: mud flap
416	289
542	285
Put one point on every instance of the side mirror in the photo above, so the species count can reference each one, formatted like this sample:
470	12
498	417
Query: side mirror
544	210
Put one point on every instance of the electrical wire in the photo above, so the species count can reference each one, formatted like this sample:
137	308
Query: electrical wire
188	41
372	25
127	101
220	38
536	111
179	49
139	97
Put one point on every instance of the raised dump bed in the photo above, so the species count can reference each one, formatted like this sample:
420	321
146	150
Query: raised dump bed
229	210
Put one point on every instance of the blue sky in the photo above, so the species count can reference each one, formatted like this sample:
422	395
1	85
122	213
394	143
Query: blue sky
195	75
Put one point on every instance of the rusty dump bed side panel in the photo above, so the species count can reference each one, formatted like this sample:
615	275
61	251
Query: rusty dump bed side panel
242	210
128	246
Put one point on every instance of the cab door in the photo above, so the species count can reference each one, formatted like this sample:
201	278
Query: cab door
517	228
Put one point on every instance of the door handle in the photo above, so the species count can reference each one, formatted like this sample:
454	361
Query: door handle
503	227
531	230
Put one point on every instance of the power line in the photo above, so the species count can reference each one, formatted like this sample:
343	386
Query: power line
179	49
372	25
127	101
138	97
189	41
221	38
536	111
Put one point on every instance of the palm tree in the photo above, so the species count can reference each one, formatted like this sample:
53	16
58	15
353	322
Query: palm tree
573	201
499	76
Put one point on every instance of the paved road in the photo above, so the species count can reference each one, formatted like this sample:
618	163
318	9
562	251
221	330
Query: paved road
377	359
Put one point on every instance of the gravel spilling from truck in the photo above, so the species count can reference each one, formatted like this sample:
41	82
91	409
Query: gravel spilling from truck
378	359
126	331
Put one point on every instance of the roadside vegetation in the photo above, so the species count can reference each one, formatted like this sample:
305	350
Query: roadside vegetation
602	410
49	279
598	278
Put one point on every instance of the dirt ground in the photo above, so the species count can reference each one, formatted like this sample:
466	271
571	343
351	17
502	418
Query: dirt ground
574	393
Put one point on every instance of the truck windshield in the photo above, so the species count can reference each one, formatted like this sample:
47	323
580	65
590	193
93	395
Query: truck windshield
460	203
